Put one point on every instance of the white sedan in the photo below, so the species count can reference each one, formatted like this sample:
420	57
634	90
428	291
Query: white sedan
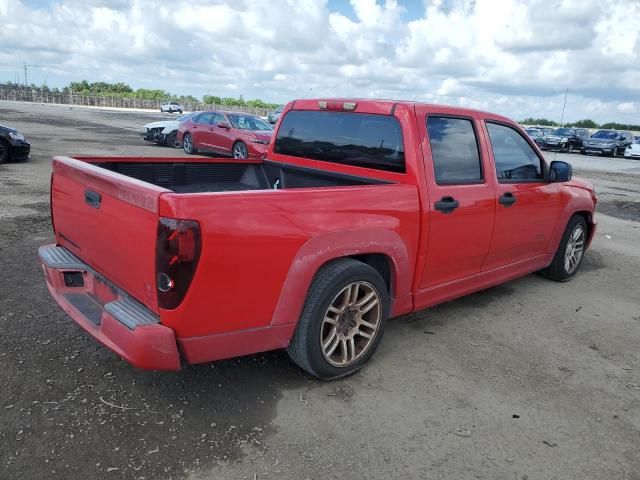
164	132
633	150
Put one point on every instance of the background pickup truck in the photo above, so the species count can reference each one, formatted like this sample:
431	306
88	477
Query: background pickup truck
361	211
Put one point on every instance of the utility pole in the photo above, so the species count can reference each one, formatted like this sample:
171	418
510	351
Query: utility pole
563	107
26	66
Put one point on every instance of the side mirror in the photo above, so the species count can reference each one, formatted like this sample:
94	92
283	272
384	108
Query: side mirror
560	171
222	125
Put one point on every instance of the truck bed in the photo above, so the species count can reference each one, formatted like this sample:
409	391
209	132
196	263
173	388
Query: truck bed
220	176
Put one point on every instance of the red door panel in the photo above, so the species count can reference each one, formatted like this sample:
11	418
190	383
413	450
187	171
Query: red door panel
459	239
526	208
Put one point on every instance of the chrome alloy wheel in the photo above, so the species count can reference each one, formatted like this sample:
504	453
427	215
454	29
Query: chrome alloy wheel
350	324
187	143
574	250
240	151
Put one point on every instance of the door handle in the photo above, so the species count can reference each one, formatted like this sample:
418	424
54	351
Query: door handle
507	199
446	204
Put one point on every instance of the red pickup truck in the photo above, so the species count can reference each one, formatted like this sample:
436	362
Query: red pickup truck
362	210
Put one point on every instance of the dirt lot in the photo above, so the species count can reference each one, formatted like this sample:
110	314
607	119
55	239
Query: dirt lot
529	380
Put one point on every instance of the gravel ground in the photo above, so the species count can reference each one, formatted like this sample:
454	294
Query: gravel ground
528	380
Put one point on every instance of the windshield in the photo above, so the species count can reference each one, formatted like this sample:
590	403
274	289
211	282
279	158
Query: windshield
249	122
533	131
606	134
564	132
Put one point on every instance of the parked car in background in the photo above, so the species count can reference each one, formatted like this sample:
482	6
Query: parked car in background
164	132
608	142
537	135
13	145
362	210
274	115
171	107
240	135
566	139
633	150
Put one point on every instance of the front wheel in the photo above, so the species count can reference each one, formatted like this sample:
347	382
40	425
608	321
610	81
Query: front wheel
187	144
170	140
570	148
570	253
342	320
240	150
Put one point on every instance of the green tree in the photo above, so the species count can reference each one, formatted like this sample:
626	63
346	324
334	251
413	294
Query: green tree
539	121
586	123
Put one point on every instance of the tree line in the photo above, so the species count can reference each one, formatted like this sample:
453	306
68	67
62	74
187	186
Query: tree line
124	90
586	123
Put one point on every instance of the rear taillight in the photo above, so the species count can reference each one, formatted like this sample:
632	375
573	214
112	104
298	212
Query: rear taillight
177	254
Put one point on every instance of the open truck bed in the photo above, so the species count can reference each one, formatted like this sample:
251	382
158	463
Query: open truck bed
224	175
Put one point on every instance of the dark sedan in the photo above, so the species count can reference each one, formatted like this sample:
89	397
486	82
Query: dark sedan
13	145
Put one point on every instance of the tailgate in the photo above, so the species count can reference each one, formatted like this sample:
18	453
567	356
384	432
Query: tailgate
109	221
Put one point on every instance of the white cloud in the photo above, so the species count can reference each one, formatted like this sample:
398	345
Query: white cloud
514	57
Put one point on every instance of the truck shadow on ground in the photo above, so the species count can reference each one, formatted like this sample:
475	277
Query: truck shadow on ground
72	409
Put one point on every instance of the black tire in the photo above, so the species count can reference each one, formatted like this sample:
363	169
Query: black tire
557	270
613	152
4	152
570	148
187	144
305	348
170	140
240	150
180	112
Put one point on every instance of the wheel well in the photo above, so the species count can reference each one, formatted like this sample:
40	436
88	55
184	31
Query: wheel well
6	144
587	218
381	263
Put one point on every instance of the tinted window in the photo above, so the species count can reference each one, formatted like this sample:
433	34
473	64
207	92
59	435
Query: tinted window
359	139
218	118
606	134
205	117
454	150
514	157
564	132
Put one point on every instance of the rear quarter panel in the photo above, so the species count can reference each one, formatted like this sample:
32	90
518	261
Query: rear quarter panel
261	249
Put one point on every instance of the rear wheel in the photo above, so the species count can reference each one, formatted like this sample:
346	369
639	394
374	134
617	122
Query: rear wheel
570	253
342	321
187	144
240	150
4	151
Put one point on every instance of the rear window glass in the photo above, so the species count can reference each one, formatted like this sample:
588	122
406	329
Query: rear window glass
358	139
454	150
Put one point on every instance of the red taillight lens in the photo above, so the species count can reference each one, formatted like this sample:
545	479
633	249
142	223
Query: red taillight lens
177	255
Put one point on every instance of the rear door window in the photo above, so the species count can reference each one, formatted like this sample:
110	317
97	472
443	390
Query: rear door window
454	150
515	159
357	139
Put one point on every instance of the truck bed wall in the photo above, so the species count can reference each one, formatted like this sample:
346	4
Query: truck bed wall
187	177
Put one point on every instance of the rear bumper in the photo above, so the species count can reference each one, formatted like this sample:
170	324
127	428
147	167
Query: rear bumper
108	314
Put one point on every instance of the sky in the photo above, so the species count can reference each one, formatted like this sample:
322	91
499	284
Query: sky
513	57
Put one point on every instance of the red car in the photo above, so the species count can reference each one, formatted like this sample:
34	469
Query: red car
239	135
361	211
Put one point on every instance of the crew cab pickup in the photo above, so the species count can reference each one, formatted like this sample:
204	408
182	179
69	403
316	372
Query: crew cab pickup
361	210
